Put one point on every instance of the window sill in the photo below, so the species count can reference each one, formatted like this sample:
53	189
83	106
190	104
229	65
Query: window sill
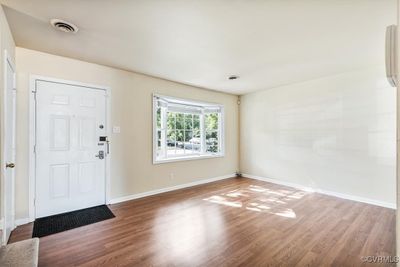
195	157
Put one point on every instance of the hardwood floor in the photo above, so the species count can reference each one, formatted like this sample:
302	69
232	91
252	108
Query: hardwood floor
234	222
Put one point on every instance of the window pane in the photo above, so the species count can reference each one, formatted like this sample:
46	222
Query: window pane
196	122
159	152
196	140
180	121
188	121
212	149
171	141
171	138
188	136
158	118
211	121
179	135
211	135
196	134
171	121
212	142
188	142
179	142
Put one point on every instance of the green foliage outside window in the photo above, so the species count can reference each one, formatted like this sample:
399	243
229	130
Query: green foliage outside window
211	125
183	128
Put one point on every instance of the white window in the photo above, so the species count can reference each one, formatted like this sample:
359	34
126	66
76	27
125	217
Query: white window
186	129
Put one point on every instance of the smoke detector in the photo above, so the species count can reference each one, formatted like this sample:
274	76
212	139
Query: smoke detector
64	26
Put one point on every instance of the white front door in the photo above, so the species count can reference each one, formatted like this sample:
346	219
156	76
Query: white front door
9	148
70	171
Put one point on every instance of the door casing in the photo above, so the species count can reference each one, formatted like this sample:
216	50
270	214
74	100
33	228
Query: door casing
32	136
6	102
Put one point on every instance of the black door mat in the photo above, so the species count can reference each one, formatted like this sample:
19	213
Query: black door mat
70	220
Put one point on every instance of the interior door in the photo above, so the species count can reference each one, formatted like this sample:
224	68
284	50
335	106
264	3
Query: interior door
9	149
70	164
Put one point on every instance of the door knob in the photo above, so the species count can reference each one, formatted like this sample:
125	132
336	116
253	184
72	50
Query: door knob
10	165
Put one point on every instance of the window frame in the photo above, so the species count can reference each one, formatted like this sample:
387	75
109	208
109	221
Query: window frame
196	156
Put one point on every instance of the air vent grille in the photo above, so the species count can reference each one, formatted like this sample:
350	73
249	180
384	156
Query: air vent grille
64	26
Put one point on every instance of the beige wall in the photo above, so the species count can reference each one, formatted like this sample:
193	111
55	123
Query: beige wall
335	133
132	169
6	43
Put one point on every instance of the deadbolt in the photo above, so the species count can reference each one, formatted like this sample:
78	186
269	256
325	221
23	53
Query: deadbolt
10	165
100	155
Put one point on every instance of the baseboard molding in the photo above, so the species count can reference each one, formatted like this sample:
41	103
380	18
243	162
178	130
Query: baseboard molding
23	221
322	191
168	189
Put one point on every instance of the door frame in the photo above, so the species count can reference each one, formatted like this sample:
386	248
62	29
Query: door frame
9	61
32	135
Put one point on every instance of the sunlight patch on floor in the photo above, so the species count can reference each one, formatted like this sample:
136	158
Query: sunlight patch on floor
261	199
224	201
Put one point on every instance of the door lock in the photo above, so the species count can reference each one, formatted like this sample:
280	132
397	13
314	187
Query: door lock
10	165
100	155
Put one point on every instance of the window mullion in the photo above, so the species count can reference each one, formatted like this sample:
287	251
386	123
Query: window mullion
202	133
164	131
219	133
176	134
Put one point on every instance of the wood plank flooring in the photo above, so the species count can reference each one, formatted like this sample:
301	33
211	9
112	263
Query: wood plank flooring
234	222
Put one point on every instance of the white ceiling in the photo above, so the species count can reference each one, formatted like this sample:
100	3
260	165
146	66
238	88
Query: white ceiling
267	43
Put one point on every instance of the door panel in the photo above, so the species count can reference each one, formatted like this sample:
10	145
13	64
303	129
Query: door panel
69	176
59	181
59	132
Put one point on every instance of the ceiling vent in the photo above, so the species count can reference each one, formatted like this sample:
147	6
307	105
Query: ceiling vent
64	26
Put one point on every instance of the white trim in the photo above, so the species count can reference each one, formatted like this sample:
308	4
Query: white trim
188	157
322	191
8	61
172	188
187	100
32	138
2	224
202	155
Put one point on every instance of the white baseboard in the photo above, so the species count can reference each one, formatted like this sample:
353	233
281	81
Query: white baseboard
322	191
23	221
168	189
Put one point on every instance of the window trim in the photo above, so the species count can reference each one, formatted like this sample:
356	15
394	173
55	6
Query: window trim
221	126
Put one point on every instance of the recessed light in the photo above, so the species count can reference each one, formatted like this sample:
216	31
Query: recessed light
233	77
64	26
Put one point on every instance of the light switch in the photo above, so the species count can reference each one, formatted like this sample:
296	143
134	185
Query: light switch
116	129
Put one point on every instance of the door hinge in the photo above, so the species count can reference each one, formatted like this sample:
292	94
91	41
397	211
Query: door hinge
15	81
34	202
34	148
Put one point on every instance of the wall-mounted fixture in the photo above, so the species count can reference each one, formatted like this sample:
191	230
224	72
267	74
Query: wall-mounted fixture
233	77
